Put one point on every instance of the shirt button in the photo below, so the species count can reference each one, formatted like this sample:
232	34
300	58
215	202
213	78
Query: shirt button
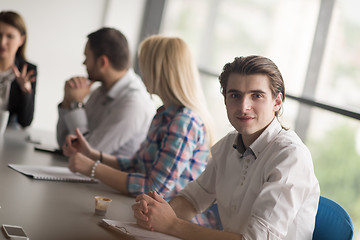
246	166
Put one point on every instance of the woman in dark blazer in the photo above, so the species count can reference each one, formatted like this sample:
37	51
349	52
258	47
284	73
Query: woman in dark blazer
17	76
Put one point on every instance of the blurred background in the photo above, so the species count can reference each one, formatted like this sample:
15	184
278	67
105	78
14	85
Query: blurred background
315	43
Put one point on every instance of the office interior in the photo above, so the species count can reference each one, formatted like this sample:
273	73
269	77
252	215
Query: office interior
313	42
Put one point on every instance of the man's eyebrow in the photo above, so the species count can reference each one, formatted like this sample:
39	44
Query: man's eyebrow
252	91
233	91
258	91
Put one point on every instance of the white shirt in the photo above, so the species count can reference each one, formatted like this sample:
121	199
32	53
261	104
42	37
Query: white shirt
269	191
117	120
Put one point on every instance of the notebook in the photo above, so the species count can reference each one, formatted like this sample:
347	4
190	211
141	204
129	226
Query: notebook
51	173
132	231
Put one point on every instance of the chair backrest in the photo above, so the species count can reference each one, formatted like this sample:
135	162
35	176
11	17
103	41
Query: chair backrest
332	222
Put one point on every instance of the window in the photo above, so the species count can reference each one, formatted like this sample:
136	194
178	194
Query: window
334	140
339	80
279	29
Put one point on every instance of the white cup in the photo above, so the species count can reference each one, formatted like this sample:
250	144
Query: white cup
4	118
101	205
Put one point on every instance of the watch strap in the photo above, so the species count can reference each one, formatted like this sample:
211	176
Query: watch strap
76	105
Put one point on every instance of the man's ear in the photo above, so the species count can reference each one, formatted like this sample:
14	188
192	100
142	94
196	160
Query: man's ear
103	61
278	102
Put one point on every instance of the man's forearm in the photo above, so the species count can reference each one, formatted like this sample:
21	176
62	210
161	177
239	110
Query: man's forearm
190	231
183	208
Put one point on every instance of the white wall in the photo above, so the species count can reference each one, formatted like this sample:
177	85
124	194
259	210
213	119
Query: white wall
57	33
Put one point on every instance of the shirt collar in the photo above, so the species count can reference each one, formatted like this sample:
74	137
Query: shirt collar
240	147
119	87
170	110
261	142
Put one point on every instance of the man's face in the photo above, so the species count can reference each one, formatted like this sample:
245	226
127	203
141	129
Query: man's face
250	105
10	40
91	63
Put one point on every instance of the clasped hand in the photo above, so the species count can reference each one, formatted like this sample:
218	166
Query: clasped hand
152	212
76	89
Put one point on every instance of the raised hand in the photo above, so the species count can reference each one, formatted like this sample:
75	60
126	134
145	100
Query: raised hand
24	78
75	144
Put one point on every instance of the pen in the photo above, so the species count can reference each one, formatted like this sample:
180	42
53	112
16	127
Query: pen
75	139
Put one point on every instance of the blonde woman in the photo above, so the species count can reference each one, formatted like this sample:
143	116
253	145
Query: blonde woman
176	148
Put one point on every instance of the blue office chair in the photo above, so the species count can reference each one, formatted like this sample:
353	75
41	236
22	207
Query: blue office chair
332	222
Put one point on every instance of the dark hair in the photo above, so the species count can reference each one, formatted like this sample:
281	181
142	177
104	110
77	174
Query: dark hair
111	43
254	65
15	20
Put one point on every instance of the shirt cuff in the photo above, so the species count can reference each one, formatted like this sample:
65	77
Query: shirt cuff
136	184
124	163
75	119
61	110
260	229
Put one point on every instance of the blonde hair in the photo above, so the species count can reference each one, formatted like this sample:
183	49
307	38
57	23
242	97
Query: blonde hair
168	70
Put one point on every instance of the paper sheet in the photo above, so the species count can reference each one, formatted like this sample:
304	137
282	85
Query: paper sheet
136	231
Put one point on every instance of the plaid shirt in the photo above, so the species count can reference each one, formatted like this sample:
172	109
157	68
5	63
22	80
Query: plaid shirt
174	153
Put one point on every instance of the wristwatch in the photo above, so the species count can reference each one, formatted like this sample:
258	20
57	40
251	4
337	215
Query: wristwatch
76	105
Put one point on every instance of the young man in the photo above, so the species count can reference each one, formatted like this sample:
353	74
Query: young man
117	114
260	175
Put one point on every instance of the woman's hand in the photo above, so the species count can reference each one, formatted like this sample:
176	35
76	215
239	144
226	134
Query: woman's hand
24	78
78	143
81	164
